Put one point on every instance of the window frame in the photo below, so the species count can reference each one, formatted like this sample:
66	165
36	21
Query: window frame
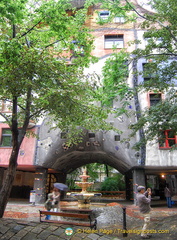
5	106
4	135
148	76
150	100
167	138
112	40
119	19
104	17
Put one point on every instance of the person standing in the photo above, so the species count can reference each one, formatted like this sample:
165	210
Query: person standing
144	200
167	193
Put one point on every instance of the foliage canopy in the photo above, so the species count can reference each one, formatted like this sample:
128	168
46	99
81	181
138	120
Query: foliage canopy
38	39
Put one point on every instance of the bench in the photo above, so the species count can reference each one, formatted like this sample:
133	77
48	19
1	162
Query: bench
77	216
85	210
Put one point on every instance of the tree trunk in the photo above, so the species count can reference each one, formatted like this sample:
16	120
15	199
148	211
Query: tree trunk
8	181
9	178
107	170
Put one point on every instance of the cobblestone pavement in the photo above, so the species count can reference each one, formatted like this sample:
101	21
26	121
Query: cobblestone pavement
21	222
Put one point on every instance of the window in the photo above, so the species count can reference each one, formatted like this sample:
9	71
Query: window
91	135
154	98
6	139
5	106
167	139
104	15
114	41
148	71
119	20
117	138
153	40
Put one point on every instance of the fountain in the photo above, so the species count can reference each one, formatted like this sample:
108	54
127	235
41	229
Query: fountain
84	197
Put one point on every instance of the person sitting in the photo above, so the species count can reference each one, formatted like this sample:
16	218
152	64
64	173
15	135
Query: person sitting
56	199
48	205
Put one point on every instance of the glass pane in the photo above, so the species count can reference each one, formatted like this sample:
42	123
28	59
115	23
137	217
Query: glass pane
154	99
6	141
171	142
171	134
6	131
111	43
119	44
108	44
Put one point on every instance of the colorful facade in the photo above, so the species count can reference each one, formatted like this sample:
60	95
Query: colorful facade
46	159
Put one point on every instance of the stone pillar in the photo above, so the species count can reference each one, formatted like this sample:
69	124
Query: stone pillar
1	176
40	180
138	179
129	185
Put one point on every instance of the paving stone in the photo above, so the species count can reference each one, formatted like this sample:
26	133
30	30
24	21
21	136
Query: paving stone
44	234
23	223
105	237
15	238
52	228
12	224
32	224
29	228
58	232
37	229
7	221
7	235
30	236
3	229
21	233
17	228
93	236
53	237
64	236
115	238
81	235
43	225
75	238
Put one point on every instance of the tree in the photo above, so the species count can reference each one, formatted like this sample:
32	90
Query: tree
116	183
160	32
161	53
36	40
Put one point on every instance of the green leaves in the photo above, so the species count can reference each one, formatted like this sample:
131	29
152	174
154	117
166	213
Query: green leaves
36	73
115	74
12	11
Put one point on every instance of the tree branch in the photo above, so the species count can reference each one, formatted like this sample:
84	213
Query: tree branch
54	43
32	28
136	10
36	113
160	23
5	117
157	54
27	114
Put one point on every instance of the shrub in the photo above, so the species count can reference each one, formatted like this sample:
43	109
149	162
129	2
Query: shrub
113	183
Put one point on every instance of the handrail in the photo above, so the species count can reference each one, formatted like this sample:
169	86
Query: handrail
78	190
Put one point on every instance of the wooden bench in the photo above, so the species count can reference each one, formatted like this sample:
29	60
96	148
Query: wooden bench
77	216
85	210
